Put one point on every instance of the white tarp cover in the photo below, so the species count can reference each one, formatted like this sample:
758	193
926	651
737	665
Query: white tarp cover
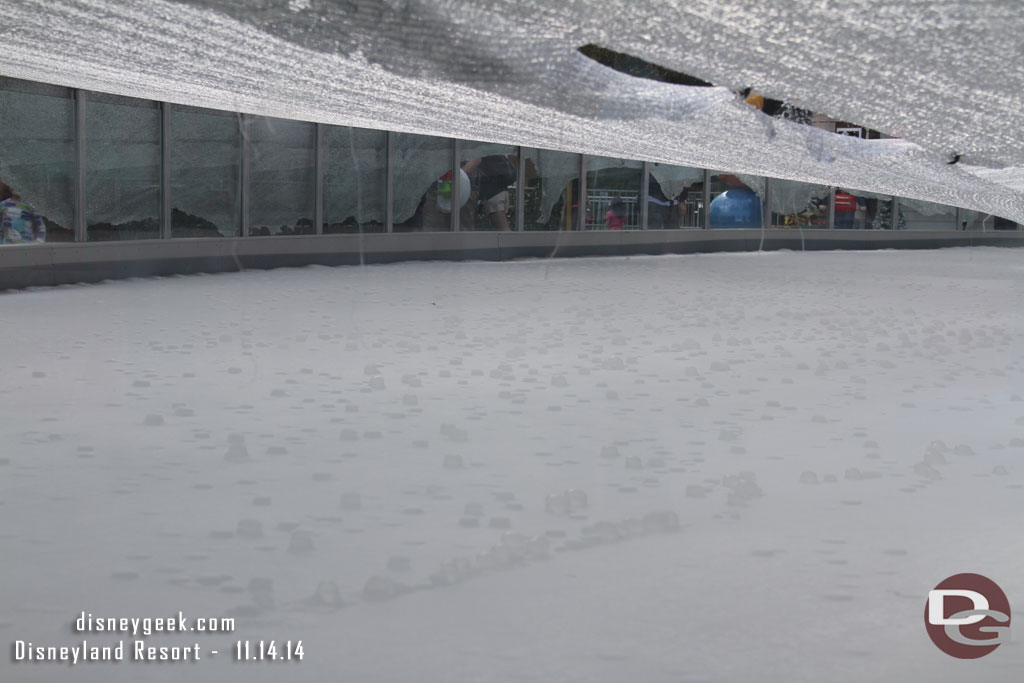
942	76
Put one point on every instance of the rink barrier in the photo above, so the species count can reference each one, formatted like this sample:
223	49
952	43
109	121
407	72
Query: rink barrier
85	262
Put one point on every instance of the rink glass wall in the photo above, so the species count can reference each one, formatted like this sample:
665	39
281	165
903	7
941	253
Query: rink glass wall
103	167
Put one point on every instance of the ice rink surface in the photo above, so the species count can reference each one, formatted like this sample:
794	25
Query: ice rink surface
734	467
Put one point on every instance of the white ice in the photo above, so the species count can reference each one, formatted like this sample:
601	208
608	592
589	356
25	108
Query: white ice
661	469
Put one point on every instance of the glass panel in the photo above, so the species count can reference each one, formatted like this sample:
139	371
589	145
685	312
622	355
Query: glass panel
971	220
874	211
37	166
613	193
282	185
921	215
801	205
423	183
492	171
675	197
205	174
1000	223
122	155
552	188
355	163
735	200
981	221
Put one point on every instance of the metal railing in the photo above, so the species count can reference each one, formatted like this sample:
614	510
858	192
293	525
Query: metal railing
599	203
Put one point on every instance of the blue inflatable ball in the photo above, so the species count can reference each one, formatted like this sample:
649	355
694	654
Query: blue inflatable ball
736	208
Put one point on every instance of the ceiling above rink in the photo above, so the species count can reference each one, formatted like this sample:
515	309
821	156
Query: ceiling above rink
943	76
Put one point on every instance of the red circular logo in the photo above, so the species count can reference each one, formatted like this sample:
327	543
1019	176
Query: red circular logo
967	616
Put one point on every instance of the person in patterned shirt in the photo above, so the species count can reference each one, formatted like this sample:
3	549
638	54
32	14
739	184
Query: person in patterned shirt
20	223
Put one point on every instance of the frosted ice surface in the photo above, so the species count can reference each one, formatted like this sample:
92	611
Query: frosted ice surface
942	76
797	449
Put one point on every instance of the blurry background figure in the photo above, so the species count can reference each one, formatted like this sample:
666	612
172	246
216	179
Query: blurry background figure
490	178
664	213
860	216
679	209
615	218
846	207
20	223
438	201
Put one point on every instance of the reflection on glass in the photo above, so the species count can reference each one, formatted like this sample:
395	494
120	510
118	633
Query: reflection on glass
885	220
613	193
122	168
550	200
972	220
675	197
37	154
794	204
282	183
874	211
205	174
423	184
492	171
922	215
355	162
736	200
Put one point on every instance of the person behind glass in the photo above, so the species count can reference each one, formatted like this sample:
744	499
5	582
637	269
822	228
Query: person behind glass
615	218
664	213
20	223
491	177
660	208
846	207
679	208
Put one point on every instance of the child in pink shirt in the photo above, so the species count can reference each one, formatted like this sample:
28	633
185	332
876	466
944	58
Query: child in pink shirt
615	219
